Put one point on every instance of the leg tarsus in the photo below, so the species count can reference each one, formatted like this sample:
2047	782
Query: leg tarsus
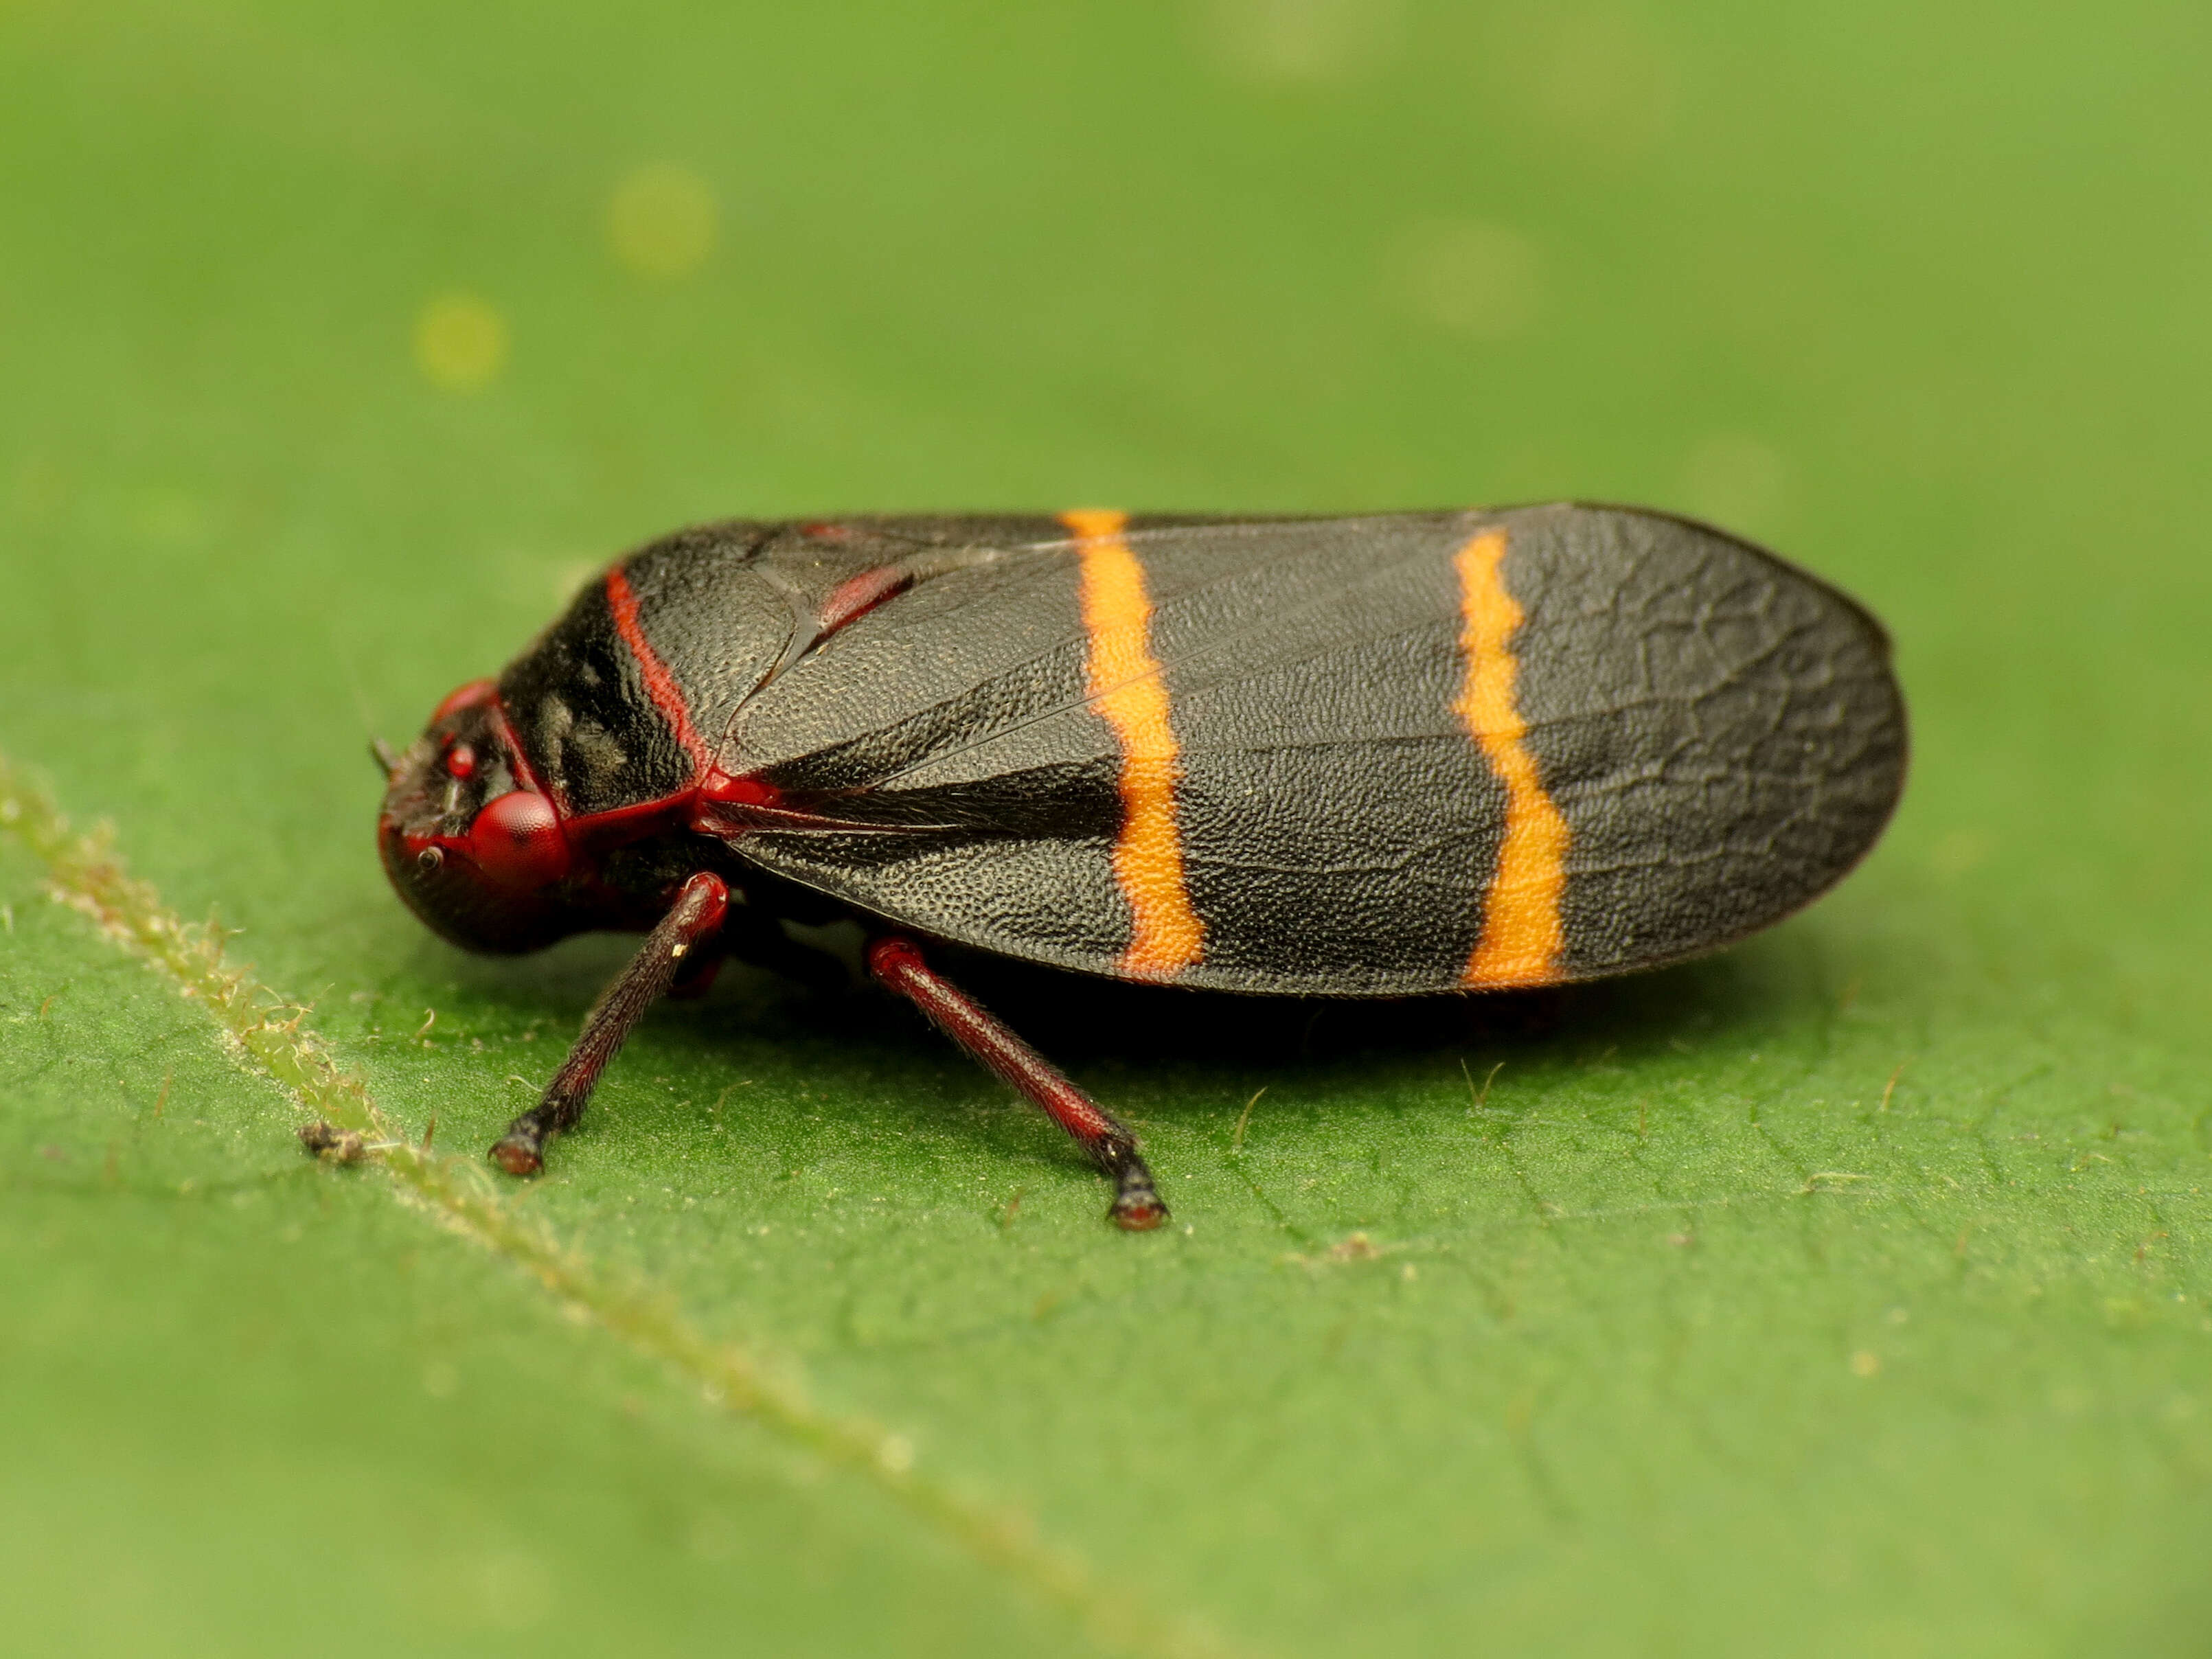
691	924
522	1150
1137	1206
898	964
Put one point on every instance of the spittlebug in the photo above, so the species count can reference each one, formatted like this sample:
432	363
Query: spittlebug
1354	756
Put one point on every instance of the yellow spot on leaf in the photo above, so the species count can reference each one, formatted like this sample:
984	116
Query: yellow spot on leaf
460	343
1303	42
660	222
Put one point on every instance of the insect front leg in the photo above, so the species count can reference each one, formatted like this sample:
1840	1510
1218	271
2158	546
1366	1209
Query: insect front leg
897	964
691	925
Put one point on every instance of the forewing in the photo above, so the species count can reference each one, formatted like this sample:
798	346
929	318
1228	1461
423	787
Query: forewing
1719	734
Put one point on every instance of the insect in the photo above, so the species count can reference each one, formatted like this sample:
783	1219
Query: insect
1367	756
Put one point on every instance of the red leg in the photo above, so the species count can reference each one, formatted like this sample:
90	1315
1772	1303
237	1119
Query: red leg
691	921
897	963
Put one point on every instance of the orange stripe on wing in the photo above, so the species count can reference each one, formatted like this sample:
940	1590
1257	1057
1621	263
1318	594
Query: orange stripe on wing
1126	687
1521	934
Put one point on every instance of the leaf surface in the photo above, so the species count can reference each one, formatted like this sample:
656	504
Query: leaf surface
1845	1292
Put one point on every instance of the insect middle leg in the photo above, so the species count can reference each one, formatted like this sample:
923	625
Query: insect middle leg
898	964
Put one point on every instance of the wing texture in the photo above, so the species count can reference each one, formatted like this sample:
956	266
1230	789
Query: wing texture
1378	756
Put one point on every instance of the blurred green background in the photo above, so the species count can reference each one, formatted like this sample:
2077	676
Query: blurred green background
1845	1294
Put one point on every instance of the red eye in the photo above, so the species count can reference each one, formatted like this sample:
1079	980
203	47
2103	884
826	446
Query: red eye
516	843
461	760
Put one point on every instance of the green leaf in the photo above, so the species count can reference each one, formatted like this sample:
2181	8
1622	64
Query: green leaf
1844	1293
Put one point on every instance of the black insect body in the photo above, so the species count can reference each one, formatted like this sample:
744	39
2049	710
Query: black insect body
1360	757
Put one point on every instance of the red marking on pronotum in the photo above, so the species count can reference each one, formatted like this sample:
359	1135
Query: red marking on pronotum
659	684
511	741
460	697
